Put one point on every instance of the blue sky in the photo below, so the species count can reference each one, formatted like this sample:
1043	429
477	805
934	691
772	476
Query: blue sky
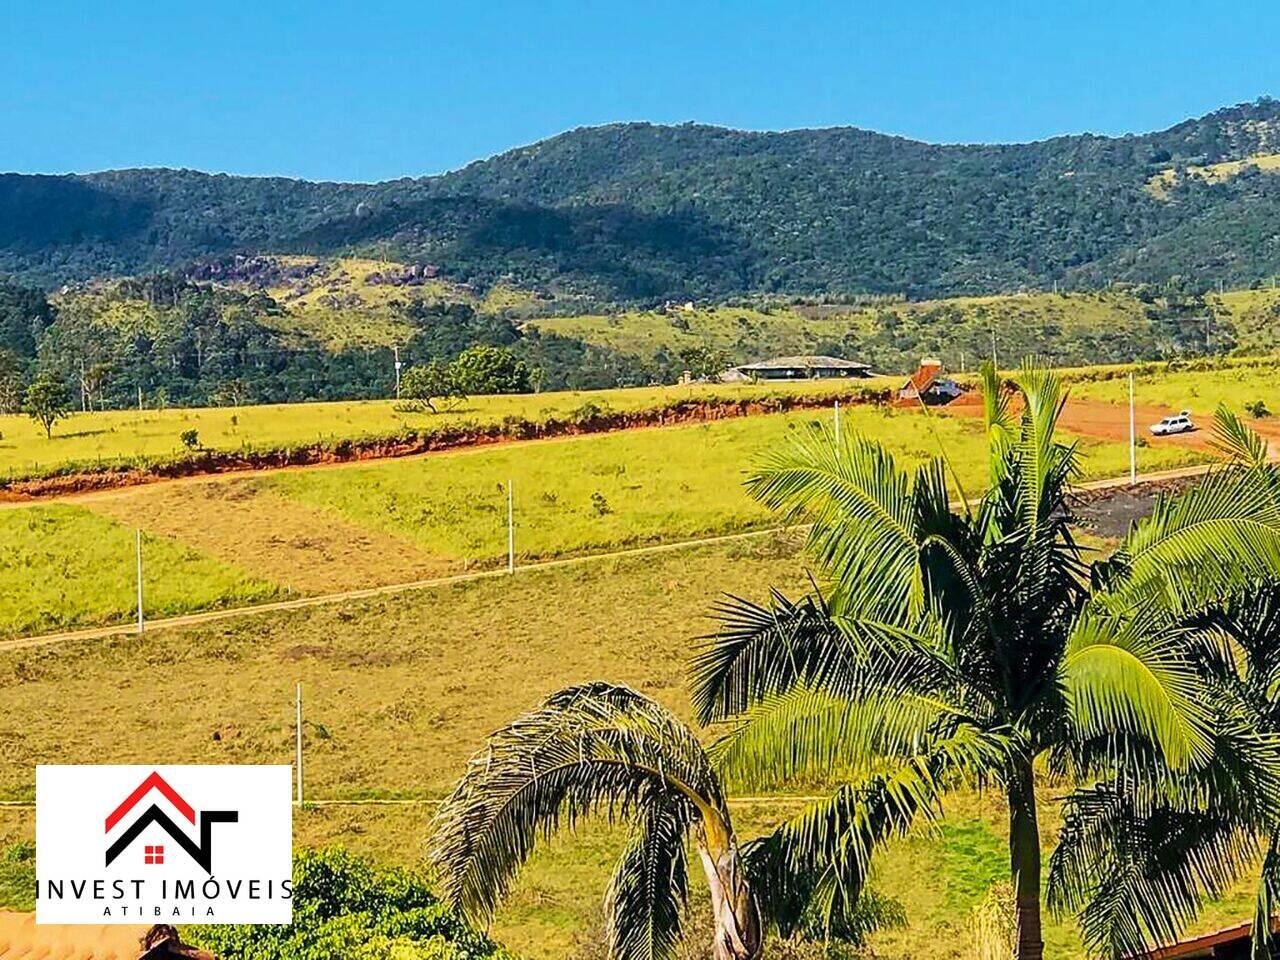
378	90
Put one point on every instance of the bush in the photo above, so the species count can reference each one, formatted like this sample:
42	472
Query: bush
587	413
345	908
190	439
1257	409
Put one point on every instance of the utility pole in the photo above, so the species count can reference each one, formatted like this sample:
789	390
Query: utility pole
396	349
1133	439
139	398
138	557
995	361
511	532
837	423
84	399
298	739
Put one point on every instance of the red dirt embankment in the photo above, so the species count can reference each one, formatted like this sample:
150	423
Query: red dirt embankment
21	939
209	462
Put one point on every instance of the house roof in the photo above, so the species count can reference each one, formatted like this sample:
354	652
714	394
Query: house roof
805	362
924	377
1202	946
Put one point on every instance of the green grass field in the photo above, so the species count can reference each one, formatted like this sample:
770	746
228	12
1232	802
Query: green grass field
64	566
130	436
241	538
399	691
1199	391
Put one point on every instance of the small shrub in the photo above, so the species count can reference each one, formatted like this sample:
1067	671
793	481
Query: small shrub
190	439
1257	409
600	505
587	413
345	908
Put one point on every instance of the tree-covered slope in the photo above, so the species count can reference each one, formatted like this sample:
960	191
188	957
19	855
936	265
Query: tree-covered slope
640	212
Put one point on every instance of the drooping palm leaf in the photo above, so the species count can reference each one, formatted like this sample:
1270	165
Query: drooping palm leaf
649	888
588	749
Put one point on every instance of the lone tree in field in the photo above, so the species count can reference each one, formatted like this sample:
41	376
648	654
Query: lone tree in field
590	749
484	369
972	642
47	401
427	384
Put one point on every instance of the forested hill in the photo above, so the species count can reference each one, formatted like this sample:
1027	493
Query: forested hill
638	212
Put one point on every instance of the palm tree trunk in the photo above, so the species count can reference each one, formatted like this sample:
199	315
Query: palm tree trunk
738	933
1024	859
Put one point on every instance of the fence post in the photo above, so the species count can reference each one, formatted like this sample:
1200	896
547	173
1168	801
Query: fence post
298	740
1133	438
511	532
138	557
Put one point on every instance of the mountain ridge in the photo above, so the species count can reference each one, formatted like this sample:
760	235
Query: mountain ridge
640	212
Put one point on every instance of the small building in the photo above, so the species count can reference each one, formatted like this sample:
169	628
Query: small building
803	368
928	384
1232	943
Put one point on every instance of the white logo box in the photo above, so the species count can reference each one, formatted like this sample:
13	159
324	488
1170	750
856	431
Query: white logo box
188	844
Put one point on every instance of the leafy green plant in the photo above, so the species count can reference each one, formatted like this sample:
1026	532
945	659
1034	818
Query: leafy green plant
975	641
1257	409
345	908
190	439
601	748
427	384
18	875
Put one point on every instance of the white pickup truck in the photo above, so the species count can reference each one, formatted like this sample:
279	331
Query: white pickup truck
1178	423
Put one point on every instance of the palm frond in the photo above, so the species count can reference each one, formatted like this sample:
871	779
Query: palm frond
995	409
596	748
1118	681
1138	873
813	868
1200	546
1040	459
859	503
1235	442
649	889
809	735
760	651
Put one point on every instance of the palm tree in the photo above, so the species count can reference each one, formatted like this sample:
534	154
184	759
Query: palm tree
972	643
1139	857
591	749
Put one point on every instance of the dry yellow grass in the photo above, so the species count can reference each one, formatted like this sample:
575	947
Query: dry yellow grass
1158	186
302	548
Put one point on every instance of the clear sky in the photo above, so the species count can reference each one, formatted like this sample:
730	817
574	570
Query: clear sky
380	89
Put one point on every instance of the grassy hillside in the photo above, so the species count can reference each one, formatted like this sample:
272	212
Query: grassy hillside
399	691
348	526
347	302
1066	329
129	437
1160	184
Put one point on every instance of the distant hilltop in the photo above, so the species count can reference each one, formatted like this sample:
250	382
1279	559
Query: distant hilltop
644	213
